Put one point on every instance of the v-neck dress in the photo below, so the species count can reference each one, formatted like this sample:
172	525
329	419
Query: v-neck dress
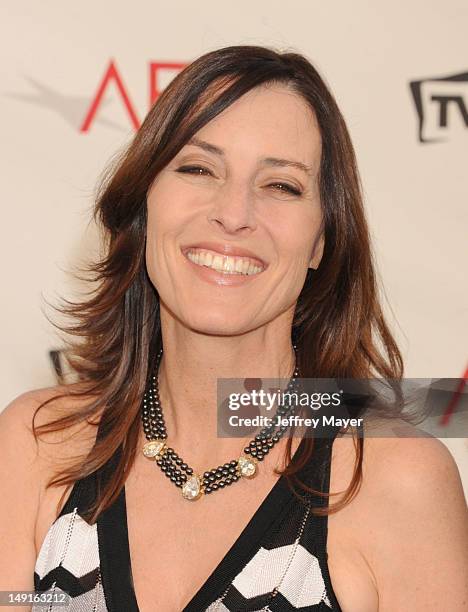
277	564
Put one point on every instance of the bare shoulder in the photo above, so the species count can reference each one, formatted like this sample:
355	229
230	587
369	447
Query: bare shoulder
412	523
16	426
413	469
32	458
406	465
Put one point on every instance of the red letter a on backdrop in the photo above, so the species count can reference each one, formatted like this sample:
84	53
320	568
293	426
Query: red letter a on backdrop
111	74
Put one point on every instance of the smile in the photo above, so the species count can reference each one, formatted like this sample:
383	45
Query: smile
225	264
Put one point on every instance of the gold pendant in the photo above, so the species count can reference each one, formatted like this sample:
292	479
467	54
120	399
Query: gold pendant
153	448
192	489
247	466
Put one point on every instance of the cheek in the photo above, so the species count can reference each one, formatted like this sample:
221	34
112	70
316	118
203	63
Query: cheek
295	235
158	229
165	217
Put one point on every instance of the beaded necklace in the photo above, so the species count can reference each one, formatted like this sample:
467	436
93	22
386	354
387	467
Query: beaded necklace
193	485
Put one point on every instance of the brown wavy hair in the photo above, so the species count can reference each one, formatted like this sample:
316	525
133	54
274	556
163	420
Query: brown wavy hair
115	332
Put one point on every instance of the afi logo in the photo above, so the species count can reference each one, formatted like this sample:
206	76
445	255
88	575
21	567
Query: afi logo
441	105
112	78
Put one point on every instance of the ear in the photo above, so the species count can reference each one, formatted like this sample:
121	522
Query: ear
317	252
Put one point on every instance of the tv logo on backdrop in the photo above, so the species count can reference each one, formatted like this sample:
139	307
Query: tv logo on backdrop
441	107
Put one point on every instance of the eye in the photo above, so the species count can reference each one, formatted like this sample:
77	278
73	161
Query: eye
286	188
200	170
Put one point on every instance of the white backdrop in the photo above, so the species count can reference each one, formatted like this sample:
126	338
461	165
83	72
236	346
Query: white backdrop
55	56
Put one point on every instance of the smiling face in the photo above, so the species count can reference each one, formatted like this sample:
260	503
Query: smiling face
233	225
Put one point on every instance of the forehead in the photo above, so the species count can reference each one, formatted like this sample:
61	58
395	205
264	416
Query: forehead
269	119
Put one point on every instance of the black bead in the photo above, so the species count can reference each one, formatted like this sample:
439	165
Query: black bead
173	465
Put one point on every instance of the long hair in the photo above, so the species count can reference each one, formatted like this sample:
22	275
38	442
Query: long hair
115	333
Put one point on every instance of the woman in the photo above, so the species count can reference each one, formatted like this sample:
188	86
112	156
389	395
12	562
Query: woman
236	244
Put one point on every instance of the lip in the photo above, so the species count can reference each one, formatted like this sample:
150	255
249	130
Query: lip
218	278
226	249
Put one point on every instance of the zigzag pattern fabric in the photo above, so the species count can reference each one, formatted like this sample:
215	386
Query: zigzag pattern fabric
278	564
69	560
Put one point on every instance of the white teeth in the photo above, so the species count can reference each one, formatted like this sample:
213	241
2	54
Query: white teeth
217	263
229	264
224	263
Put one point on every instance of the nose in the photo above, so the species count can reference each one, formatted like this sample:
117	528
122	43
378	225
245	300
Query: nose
233	209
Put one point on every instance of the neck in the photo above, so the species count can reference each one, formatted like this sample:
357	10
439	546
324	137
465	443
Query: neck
190	367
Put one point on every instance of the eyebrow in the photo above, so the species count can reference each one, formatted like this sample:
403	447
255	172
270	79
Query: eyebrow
267	161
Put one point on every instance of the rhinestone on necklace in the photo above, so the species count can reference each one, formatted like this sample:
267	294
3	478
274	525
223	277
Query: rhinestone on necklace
180	473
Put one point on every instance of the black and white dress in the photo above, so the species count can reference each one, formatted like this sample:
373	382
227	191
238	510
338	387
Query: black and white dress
278	563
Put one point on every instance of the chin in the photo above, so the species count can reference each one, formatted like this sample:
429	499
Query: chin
218	324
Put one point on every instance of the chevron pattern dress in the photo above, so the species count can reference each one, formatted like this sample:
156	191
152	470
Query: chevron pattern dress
278	563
